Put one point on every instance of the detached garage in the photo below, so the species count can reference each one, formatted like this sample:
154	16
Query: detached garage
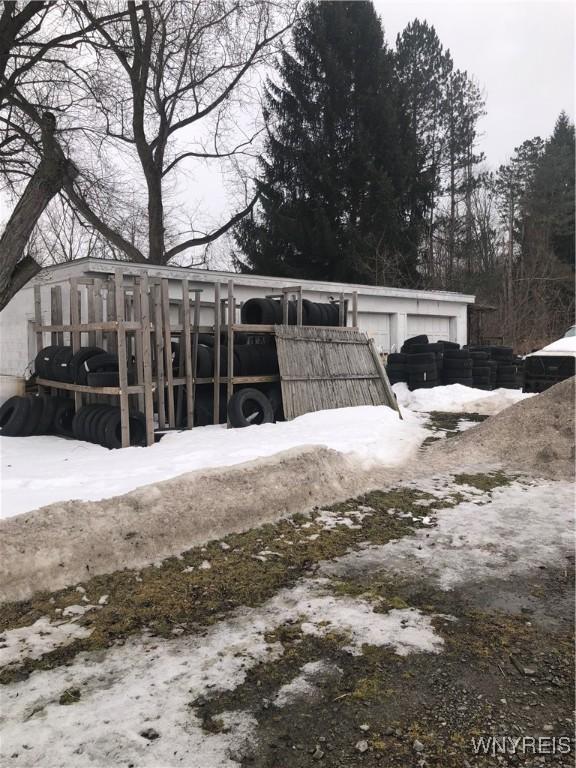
388	315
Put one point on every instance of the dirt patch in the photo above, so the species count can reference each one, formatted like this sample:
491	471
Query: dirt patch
535	435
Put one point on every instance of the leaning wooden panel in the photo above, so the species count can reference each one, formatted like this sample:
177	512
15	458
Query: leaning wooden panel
324	368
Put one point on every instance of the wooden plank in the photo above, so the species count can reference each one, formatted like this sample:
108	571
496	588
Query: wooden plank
159	354
168	350
147	359
112	338
237	380
133	389
87	327
75	322
38	318
186	353
90	306
392	402
197	305
231	321
56	317
138	349
299	310
122	361
355	309
216	412
98	312
341	313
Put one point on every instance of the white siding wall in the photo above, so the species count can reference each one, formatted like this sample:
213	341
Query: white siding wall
389	316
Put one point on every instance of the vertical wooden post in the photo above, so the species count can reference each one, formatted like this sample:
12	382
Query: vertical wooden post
216	412
38	317
146	359
90	306
195	349
341	310
159	350
56	313
231	321
112	345
98	311
168	350
299	308
122	359
186	351
285	307
355	309
74	321
138	350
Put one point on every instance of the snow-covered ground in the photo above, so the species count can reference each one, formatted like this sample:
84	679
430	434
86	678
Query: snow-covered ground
135	702
41	470
456	398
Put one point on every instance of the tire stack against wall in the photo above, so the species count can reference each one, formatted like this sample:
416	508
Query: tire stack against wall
506	369
48	415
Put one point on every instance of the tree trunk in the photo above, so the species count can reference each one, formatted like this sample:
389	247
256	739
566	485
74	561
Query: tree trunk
53	171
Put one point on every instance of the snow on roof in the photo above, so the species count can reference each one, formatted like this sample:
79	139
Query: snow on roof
564	346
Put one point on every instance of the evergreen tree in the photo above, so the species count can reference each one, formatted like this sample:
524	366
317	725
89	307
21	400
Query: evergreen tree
337	183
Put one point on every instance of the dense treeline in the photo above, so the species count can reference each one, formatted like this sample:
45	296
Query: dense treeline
371	173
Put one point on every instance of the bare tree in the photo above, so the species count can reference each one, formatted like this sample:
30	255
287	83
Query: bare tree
136	94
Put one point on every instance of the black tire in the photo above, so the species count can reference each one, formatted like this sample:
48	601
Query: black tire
506	370
249	406
257	360
103	362
479	371
79	420
77	369
428	368
481	380
91	421
456	354
32	425
396	370
103	379
310	313
63	416
422	339
260	312
43	361
14	415
449	345
47	416
111	425
434	347
421	358
479	356
395	358
60	365
460	364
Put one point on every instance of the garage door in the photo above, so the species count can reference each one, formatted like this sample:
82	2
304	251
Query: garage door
377	326
435	327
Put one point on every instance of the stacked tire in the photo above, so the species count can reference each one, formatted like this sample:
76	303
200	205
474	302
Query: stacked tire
89	366
422	370
36	415
481	370
101	424
396	367
457	367
505	367
269	312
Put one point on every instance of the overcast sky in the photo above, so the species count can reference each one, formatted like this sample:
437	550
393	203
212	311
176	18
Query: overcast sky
521	54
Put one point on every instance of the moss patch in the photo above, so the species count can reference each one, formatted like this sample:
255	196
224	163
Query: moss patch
485	481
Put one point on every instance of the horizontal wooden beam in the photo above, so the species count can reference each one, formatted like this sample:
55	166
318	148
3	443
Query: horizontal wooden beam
111	325
134	389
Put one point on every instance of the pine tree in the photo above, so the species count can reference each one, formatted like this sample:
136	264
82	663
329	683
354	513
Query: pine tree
336	178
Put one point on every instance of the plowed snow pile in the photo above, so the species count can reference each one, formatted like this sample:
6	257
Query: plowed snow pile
535	435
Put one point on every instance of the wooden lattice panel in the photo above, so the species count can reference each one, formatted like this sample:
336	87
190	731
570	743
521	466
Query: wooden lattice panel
323	368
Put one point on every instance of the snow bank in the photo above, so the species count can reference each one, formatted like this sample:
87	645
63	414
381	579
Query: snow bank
41	470
456	398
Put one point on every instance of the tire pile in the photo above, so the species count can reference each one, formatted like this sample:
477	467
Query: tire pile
269	312
89	366
36	415
423	365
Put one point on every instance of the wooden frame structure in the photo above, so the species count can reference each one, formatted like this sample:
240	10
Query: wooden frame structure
133	316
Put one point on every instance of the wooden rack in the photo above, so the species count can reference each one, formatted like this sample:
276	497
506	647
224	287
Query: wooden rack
133	317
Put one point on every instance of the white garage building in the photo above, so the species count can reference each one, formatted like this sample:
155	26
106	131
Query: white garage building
389	315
